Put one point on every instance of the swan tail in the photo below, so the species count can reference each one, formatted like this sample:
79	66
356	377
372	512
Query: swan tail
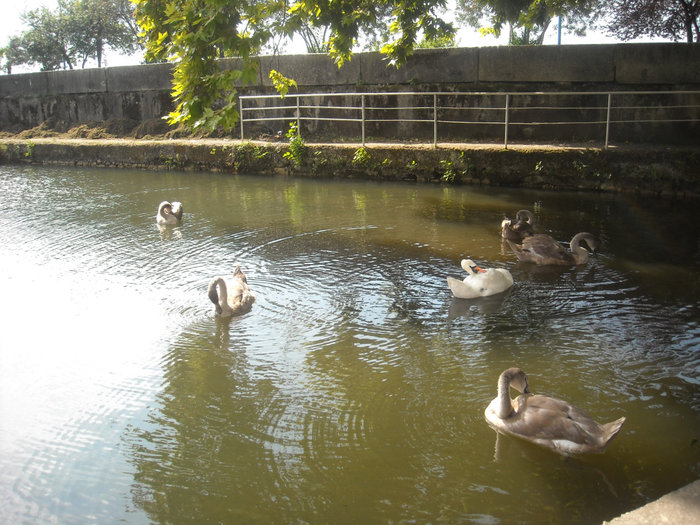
457	288
214	295
177	209
610	430
238	274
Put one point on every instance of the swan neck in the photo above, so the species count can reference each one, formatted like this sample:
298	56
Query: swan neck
527	216
467	266
579	252
504	403
162	207
220	297
223	296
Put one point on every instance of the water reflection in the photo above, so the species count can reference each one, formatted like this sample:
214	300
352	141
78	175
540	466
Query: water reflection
354	390
482	305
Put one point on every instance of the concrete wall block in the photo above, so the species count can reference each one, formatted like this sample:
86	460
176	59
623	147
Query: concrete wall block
90	108
306	70
138	106
580	63
267	64
425	66
662	63
311	70
24	84
31	112
145	77
76	81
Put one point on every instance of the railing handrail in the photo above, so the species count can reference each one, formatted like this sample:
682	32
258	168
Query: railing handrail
464	93
508	108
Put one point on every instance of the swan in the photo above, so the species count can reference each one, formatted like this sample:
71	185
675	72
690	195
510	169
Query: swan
543	249
241	299
480	282
546	421
168	214
521	228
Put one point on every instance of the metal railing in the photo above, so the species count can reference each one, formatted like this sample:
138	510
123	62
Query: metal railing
594	112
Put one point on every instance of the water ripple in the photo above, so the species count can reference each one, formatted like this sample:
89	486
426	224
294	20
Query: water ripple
354	390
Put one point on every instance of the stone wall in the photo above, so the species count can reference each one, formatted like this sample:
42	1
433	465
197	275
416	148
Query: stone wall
141	93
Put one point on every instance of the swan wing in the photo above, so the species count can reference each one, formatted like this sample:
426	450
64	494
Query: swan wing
557	419
242	298
544	246
498	278
541	249
462	289
483	284
559	425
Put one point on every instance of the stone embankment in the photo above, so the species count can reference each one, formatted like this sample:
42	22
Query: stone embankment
671	171
681	506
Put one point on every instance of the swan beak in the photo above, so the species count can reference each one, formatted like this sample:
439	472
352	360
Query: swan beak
477	269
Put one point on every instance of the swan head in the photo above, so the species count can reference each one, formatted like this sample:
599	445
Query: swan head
165	208
467	263
521	226
471	267
586	237
524	221
525	216
516	378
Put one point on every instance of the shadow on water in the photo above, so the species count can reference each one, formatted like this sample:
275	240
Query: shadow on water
354	390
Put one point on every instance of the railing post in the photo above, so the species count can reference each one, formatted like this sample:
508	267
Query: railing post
298	118
363	120
607	122
505	138
240	105
435	119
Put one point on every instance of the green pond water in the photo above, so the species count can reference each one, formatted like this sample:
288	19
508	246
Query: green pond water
354	390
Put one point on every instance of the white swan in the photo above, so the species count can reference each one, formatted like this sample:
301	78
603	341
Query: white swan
480	282
168	214
543	249
521	228
546	421
241	299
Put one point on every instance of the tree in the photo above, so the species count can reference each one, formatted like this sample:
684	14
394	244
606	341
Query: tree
315	39
13	54
674	19
448	40
527	20
194	33
46	42
94	25
78	30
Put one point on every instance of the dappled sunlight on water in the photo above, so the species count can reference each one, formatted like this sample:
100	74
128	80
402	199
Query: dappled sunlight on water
354	389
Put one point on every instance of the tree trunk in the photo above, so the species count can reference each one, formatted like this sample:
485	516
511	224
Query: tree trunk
540	39
99	44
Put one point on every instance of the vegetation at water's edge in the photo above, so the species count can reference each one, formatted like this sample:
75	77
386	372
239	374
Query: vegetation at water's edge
663	171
